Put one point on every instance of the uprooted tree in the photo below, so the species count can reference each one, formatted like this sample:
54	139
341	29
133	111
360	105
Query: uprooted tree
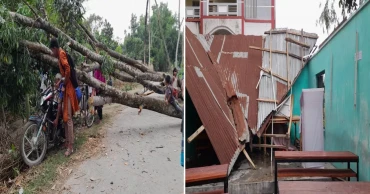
24	33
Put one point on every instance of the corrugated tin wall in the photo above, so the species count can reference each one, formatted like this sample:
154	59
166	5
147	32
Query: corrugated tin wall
279	66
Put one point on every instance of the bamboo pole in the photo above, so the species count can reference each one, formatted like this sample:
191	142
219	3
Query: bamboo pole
287	62
301	52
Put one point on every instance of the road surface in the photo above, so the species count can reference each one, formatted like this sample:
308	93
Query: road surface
142	155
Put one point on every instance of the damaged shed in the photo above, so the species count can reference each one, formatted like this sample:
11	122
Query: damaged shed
235	83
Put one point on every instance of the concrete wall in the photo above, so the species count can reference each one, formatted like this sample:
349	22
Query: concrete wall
193	27
212	25
256	29
347	128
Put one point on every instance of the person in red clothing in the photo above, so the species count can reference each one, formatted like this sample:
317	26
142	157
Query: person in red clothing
99	76
70	102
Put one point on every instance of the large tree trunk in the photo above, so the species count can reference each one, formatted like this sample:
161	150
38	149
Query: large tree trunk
41	24
117	96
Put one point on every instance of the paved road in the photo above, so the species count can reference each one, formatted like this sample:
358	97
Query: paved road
142	155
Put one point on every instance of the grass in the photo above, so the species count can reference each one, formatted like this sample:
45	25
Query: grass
47	171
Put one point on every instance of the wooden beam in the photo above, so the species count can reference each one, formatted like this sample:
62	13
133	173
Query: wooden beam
269	146
249	158
276	75
267	100
274	135
275	51
297	42
196	133
313	36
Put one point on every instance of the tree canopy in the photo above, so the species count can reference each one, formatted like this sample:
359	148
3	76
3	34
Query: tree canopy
134	39
329	16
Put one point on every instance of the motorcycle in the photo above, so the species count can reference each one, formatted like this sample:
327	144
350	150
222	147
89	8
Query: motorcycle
40	133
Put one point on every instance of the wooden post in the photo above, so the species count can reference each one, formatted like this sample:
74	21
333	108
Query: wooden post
260	142
301	52
249	158
287	61
196	133
290	120
265	142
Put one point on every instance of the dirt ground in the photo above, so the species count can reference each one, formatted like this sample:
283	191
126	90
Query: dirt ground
140	154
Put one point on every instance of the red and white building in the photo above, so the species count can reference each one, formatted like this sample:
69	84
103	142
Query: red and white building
215	17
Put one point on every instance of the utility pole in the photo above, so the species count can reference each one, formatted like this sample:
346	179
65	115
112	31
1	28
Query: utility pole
178	36
150	40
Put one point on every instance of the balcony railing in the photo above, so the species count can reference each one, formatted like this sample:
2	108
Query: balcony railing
223	9
192	11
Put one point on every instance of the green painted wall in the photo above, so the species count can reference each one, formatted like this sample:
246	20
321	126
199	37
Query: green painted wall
347	128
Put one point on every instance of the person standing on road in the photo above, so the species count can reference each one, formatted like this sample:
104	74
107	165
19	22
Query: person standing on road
182	128
70	102
99	76
169	96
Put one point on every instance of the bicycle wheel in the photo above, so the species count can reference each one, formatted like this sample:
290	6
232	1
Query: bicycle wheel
89	119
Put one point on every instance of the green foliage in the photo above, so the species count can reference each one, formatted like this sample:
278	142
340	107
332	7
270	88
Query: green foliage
134	41
17	73
329	17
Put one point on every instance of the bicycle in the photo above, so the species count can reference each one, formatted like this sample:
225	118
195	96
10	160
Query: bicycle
84	113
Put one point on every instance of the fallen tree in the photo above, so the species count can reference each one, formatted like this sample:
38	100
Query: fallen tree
42	24
117	96
37	47
130	71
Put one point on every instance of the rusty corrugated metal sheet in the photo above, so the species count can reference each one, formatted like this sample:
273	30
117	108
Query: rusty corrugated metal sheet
282	89
240	65
209	97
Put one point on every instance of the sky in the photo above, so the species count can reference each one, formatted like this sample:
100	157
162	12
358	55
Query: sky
295	14
118	12
301	14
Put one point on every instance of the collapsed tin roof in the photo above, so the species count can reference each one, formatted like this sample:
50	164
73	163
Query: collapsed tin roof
234	86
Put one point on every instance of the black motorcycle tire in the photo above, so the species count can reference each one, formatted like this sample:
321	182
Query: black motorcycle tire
26	160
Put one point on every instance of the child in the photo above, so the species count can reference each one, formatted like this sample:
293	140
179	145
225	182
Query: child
169	98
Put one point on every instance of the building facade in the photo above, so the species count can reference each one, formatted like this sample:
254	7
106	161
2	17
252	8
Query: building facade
223	17
341	67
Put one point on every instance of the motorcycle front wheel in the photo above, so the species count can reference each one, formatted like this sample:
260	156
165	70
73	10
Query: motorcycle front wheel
33	149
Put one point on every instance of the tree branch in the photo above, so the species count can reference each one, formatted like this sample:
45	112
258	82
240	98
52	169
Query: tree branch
41	24
36	47
115	54
117	96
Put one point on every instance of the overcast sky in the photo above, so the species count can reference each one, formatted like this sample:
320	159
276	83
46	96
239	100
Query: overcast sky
301	14
295	14
118	12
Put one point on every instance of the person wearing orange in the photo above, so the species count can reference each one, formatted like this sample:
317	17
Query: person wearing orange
70	102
